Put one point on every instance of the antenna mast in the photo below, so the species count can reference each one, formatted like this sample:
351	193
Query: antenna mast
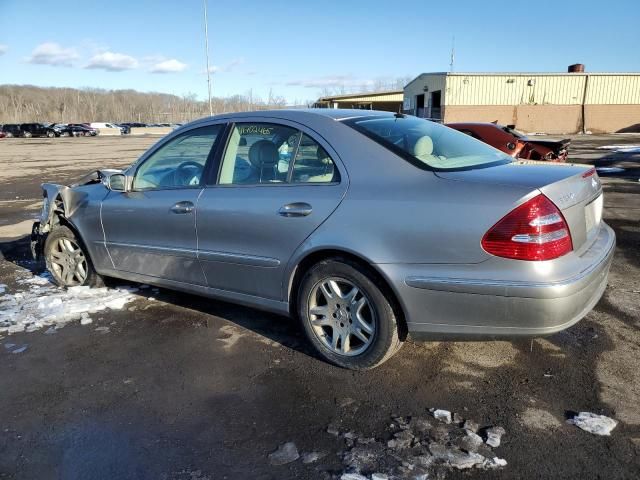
206	43
453	53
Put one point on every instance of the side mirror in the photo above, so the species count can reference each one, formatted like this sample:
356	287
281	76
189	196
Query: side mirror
118	182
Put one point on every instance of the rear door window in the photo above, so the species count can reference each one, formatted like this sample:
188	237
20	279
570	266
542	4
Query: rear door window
267	153
313	164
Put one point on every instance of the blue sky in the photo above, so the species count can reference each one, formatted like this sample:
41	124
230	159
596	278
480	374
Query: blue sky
297	48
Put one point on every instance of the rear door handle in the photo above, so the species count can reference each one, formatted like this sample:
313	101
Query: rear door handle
298	209
183	207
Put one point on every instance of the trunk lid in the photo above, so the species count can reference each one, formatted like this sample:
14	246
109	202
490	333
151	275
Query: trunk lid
574	189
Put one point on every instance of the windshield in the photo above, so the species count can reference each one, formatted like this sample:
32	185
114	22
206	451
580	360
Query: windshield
427	144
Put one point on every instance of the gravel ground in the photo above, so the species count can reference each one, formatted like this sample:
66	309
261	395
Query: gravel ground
181	387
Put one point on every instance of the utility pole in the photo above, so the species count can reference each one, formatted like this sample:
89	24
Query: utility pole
206	43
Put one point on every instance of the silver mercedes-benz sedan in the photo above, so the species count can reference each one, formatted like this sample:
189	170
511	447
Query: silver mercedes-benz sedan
367	226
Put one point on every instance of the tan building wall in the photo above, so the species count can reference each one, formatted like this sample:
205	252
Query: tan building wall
536	102
554	119
612	118
514	89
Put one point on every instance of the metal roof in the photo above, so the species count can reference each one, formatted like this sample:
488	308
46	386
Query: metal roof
520	74
355	96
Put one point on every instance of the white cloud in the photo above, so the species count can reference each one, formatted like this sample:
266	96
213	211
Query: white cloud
50	53
331	81
227	67
3	49
112	62
168	66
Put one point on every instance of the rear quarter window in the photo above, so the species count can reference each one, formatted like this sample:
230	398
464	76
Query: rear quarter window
428	145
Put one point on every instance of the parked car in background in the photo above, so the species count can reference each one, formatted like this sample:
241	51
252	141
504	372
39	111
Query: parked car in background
28	130
126	129
82	130
514	143
135	124
11	129
106	128
365	225
2	134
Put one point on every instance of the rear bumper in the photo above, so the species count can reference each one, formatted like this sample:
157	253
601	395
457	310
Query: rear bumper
468	307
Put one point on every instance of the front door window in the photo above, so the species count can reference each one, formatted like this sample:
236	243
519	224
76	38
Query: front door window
179	163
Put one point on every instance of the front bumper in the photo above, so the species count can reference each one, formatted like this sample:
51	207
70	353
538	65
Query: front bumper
473	307
37	241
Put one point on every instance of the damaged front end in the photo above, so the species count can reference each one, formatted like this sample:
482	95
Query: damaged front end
60	202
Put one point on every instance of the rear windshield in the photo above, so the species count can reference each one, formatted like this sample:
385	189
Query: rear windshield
427	144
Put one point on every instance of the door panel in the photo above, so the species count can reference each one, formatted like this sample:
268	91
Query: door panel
245	241
143	234
152	230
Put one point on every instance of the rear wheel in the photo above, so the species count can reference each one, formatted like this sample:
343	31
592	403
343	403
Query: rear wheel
50	134
347	316
67	260
27	134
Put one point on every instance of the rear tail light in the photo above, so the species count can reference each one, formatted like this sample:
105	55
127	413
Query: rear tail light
536	230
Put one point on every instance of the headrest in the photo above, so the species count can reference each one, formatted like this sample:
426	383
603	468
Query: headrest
322	155
262	153
423	147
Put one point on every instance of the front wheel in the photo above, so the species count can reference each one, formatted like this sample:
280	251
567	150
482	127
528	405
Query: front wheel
51	134
67	260
347	316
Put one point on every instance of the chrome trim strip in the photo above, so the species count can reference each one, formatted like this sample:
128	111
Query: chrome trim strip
207	256
172	251
238	258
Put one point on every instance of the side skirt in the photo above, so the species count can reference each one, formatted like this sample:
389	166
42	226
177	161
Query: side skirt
273	306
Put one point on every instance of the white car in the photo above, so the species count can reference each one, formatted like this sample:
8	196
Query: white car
106	128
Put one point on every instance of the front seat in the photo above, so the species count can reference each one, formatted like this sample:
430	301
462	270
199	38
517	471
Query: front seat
264	157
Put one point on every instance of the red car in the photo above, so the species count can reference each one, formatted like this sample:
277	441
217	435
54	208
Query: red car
515	143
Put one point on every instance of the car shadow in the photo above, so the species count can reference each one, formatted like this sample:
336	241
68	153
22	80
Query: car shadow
276	328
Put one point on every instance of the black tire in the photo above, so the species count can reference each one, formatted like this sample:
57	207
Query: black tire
62	232
385	341
50	134
27	135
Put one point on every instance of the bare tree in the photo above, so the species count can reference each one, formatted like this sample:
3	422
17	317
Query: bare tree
27	103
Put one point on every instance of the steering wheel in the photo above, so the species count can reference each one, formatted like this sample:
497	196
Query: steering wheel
185	175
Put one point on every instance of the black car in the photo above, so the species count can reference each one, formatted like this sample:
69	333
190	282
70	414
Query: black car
11	130
124	128
38	130
80	130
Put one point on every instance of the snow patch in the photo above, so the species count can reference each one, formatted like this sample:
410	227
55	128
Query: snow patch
45	304
442	415
621	148
593	423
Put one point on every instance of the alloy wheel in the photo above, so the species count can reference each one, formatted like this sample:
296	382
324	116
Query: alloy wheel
341	316
68	262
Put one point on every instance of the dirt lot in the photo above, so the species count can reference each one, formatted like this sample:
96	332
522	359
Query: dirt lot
181	387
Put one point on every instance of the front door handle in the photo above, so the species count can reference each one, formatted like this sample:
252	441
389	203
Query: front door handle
298	209
183	207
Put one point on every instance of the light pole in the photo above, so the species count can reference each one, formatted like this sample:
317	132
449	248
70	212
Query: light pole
206	43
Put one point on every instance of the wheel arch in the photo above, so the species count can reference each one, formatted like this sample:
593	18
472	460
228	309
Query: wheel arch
316	256
59	217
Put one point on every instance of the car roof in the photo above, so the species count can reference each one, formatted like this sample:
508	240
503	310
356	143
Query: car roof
302	114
